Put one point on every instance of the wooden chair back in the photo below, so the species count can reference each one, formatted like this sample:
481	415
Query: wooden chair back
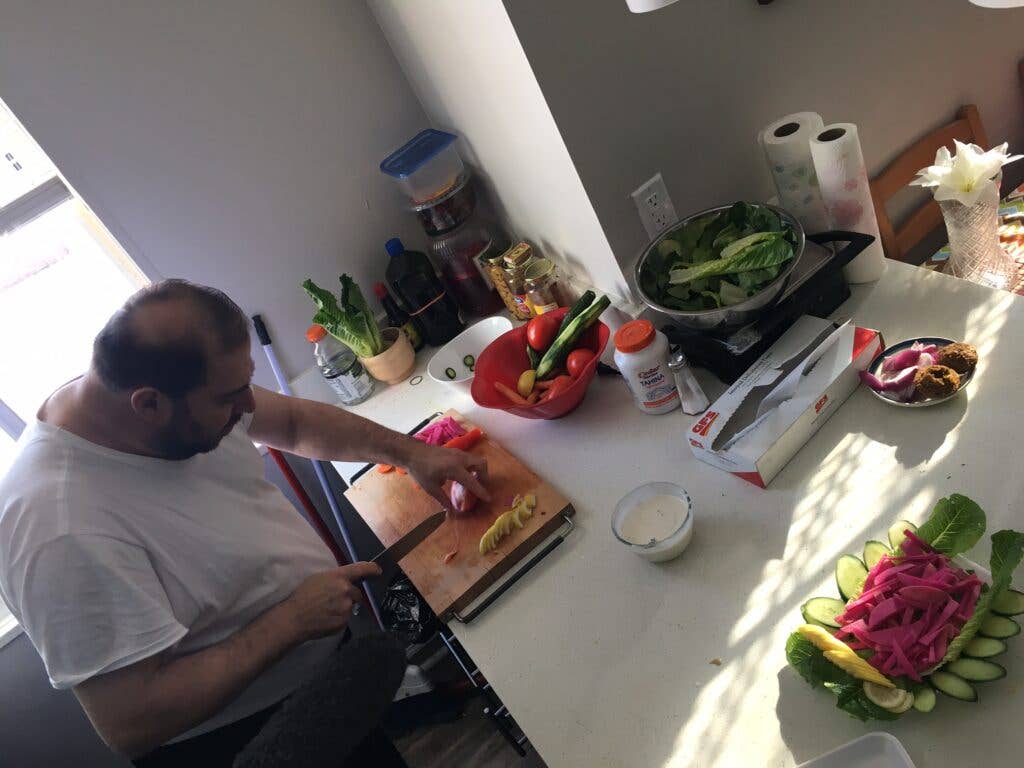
901	171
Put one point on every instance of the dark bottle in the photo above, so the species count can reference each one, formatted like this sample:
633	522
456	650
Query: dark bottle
398	318
413	280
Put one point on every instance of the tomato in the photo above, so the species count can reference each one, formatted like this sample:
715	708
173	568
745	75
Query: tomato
578	360
540	332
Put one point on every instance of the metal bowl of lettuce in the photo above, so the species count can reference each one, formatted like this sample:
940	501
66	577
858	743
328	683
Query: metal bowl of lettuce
722	267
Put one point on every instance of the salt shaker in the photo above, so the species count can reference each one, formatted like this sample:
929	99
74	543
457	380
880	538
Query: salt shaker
691	396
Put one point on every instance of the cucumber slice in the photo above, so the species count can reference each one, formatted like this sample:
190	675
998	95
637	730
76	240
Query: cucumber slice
1009	603
823	611
984	648
873	552
450	373
850	575
896	532
999	627
976	670
924	699
954	686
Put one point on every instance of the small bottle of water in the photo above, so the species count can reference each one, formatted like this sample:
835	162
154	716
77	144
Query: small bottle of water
340	367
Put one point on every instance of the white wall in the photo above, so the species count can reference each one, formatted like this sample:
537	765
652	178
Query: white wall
685	89
235	142
469	71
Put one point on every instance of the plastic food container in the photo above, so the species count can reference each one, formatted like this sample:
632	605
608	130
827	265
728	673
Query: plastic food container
655	521
448	210
505	358
426	166
459	355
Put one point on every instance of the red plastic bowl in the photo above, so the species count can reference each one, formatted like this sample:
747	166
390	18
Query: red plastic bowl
505	358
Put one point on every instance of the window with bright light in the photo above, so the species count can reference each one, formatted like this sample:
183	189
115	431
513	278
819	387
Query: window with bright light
61	276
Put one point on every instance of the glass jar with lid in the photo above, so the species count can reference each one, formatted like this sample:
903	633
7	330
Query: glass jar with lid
543	293
514	264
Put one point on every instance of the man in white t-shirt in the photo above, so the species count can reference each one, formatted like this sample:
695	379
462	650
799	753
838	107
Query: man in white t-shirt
159	575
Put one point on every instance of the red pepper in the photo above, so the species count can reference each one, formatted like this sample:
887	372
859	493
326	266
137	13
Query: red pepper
466	441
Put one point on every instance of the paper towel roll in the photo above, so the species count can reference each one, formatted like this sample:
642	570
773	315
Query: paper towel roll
839	164
787	148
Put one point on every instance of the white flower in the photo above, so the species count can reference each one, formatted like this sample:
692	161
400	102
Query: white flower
963	177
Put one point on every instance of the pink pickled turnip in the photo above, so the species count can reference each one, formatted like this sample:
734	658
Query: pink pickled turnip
911	608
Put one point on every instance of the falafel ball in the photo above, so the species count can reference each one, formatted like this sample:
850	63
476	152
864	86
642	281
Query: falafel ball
959	356
936	381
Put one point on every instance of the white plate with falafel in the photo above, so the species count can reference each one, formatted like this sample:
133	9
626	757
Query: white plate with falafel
920	372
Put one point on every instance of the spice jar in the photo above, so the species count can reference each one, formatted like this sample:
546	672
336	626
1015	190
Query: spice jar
543	293
515	261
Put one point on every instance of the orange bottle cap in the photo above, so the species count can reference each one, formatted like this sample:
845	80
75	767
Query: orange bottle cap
314	333
634	336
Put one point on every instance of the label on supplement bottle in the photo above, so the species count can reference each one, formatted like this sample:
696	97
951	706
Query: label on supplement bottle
657	389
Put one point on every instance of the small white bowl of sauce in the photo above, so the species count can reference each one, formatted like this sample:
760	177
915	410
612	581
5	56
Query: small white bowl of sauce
655	521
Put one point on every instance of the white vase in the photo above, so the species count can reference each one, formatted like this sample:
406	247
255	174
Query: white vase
975	251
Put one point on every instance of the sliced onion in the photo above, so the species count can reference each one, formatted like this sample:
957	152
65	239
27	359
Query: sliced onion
872	381
907	358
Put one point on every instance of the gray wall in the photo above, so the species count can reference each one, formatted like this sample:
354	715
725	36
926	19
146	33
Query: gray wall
685	90
235	143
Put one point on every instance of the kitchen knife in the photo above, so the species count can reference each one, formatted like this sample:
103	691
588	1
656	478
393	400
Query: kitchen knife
408	542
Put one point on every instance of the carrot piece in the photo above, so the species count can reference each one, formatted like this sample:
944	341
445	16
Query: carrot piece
466	441
385	468
533	396
510	393
401	470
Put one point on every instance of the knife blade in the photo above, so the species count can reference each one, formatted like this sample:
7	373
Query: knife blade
409	541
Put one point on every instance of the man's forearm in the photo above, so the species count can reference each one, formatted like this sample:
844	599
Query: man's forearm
321	431
183	692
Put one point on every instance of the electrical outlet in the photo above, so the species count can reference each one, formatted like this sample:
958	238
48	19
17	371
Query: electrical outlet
654	205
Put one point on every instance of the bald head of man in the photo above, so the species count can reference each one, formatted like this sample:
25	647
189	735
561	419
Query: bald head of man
176	356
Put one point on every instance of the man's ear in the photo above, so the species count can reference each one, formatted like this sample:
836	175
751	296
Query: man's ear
152	405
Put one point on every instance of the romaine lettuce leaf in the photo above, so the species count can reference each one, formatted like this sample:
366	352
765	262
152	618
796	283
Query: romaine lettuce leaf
731	294
1007	553
811	664
352	323
761	255
956	524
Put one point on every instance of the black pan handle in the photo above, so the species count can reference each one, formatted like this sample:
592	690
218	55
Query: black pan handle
856	242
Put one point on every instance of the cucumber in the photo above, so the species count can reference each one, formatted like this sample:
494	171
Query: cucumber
850	575
534	356
924	698
873	551
581	304
976	670
999	627
896	532
823	611
984	648
567	338
954	686
1009	603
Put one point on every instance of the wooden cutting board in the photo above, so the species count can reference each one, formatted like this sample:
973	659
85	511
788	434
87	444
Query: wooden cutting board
392	504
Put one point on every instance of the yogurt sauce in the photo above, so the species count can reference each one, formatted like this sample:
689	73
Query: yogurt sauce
657	518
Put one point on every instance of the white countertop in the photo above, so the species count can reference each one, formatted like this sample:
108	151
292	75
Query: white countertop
605	659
